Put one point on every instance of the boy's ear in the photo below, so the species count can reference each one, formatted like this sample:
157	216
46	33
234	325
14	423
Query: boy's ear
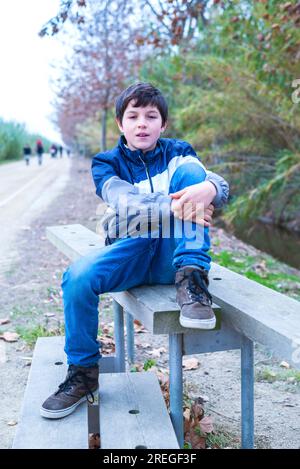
119	125
163	128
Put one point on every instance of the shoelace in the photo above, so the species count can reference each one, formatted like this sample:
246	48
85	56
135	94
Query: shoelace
197	287
74	378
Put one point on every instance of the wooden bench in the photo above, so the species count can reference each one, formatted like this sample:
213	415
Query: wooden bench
249	312
133	411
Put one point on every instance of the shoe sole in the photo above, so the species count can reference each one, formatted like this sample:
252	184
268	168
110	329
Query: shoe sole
204	324
59	414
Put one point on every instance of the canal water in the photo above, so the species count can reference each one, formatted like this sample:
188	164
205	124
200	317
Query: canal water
281	244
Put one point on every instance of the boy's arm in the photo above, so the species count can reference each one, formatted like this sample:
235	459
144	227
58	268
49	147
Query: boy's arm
222	188
128	205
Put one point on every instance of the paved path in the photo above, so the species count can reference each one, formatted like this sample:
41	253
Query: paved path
25	191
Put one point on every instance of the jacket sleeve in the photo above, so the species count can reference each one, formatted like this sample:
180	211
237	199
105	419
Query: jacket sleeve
129	211
222	188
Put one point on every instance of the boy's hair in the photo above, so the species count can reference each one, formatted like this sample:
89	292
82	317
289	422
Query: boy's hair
143	94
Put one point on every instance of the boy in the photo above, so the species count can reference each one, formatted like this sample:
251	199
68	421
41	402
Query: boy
146	181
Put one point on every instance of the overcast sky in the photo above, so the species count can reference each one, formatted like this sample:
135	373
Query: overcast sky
25	64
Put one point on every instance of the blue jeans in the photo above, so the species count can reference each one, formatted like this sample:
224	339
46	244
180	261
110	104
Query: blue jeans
127	263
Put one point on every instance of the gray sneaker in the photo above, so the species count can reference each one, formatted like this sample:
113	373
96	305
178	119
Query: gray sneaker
194	298
79	386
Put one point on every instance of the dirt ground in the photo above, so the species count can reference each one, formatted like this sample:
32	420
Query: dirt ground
31	297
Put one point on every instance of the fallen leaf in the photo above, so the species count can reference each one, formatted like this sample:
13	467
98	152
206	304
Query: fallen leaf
94	441
10	336
11	423
197	441
284	364
197	410
139	328
4	321
191	364
156	353
206	425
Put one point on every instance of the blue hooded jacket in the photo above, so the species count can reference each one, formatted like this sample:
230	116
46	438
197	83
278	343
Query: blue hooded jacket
136	184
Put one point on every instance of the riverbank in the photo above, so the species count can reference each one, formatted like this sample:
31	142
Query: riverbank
32	304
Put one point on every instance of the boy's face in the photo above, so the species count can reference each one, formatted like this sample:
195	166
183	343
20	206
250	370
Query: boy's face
141	126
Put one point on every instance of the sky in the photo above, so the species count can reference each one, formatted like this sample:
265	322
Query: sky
25	59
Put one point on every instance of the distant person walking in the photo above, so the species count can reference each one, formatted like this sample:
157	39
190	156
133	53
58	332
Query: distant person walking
61	150
39	151
27	153
53	150
68	152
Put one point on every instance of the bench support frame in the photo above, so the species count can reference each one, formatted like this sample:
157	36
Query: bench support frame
181	344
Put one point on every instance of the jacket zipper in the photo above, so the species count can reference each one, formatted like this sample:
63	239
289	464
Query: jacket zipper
148	174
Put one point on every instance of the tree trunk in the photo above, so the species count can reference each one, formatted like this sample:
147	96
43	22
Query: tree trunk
103	129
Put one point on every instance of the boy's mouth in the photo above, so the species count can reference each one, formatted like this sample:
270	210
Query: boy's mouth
142	134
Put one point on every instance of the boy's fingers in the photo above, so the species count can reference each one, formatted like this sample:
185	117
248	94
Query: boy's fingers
178	194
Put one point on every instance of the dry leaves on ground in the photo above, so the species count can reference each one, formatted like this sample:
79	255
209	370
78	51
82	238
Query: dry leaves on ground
156	353
190	363
10	336
138	327
94	441
107	344
4	321
196	425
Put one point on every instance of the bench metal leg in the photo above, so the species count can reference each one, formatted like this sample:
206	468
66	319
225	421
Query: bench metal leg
247	392
176	386
119	337
130	337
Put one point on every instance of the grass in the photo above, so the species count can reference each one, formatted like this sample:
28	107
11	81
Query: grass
271	376
218	439
147	365
30	335
29	312
221	439
261	269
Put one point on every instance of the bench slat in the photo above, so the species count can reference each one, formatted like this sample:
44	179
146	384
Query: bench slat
34	431
150	428
156	308
74	240
261	314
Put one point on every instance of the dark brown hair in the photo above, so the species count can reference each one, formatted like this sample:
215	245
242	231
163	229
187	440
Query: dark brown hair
143	94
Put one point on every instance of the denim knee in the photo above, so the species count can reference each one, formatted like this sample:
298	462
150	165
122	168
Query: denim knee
79	278
187	175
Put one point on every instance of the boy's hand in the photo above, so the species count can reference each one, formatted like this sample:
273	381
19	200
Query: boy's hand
194	203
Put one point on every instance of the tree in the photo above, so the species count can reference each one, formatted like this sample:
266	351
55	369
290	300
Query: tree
104	58
165	22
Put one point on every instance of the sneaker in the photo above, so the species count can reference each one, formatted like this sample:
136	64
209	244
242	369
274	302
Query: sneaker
194	298
79	386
